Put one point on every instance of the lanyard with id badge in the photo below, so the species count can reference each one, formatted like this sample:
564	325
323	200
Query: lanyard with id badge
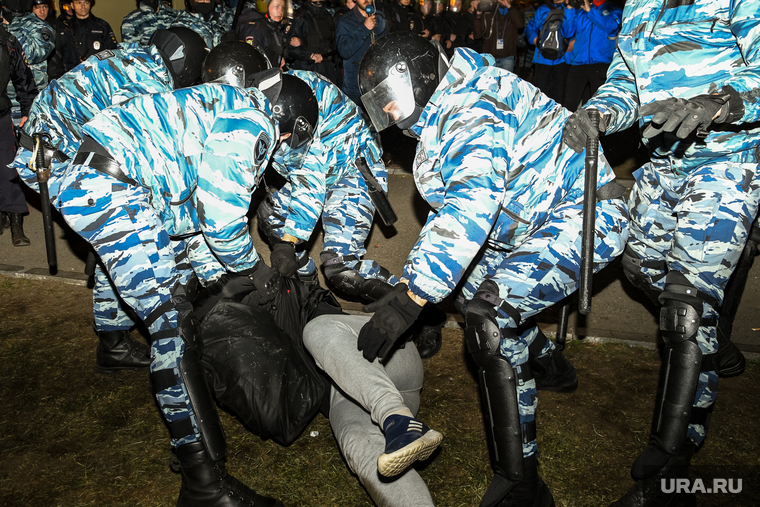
500	40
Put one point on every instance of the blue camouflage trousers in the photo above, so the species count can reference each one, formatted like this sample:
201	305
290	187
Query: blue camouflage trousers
541	271
346	220
694	217
144	264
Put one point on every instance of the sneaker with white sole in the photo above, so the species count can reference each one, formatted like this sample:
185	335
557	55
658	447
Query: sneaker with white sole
406	440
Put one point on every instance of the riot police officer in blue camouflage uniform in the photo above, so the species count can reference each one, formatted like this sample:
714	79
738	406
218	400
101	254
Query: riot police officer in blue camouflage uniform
139	25
36	38
691	206
323	182
150	175
199	16
60	111
506	224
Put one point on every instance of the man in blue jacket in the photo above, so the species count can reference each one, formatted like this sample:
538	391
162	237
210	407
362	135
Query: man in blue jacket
549	76
354	33
594	25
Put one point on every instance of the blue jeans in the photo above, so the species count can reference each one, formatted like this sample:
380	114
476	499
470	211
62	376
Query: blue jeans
506	63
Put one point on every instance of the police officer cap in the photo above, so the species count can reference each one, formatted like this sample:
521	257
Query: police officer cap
233	62
183	51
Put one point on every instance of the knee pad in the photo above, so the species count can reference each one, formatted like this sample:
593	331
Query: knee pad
632	265
350	281
482	334
682	308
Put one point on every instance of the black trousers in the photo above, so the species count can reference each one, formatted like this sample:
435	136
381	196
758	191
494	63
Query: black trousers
12	198
551	79
582	82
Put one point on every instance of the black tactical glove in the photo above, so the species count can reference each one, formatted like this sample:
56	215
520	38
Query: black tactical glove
236	286
578	128
284	258
684	116
394	313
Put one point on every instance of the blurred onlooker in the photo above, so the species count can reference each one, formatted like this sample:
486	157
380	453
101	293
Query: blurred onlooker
37	41
403	17
550	71
139	25
12	201
500	31
354	33
270	32
459	25
594	24
83	35
315	29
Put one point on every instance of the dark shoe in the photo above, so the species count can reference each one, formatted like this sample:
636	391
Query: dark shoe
658	489
17	230
406	440
5	221
731	361
532	491
206	483
553	372
117	350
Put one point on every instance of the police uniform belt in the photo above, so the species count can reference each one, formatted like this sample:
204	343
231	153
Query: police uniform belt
26	142
103	164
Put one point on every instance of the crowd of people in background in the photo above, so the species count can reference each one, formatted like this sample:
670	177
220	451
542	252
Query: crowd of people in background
328	37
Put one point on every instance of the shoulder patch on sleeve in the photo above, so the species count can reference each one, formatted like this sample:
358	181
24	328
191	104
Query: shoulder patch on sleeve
104	55
261	148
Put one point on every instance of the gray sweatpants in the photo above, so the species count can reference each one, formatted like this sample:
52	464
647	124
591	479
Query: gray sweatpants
369	392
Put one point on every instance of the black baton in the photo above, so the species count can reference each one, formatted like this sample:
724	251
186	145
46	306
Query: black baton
43	174
376	193
589	217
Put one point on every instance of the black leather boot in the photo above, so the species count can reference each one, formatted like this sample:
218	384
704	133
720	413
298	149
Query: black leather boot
5	221
657	489
532	491
552	371
117	350
17	230
731	361
206	483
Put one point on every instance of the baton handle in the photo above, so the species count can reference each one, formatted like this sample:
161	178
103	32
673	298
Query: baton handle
589	218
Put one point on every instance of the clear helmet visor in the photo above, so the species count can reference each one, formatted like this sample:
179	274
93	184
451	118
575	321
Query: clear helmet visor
391	101
234	76
293	150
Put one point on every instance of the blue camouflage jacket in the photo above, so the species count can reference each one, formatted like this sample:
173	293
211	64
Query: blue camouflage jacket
139	25
682	51
341	137
61	109
211	30
491	163
38	41
595	33
199	152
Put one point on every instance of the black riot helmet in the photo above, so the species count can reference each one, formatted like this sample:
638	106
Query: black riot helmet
295	108
153	4
183	51
397	76
18	6
233	62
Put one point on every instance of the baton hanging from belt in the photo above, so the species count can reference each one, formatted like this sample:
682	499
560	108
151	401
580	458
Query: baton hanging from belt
376	193
43	174
589	217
